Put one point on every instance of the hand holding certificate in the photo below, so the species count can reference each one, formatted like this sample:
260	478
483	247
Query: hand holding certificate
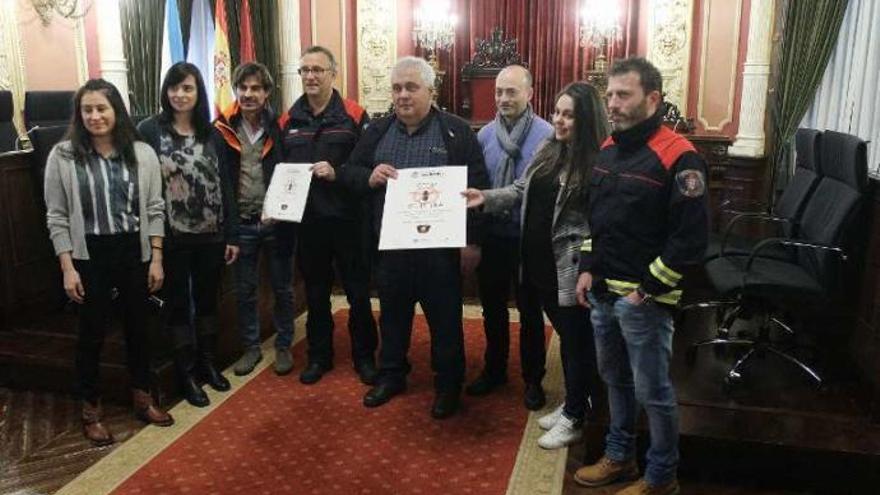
424	209
288	192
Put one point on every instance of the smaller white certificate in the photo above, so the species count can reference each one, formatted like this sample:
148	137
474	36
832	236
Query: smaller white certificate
288	191
424	209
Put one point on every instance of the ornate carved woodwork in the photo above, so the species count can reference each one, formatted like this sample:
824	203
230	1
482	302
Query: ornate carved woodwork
478	75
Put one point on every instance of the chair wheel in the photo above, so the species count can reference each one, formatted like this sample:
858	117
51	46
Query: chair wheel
732	379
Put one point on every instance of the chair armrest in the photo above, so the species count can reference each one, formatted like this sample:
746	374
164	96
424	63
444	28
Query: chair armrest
794	243
762	217
730	206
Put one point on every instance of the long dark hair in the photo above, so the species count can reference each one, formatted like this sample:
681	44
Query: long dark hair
574	160
201	116
124	133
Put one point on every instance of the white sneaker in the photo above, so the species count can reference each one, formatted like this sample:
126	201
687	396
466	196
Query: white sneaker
547	421
563	433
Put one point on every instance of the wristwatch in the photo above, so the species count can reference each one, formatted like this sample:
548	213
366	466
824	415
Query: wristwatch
644	295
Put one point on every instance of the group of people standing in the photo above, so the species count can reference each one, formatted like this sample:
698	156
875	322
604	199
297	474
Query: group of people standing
590	228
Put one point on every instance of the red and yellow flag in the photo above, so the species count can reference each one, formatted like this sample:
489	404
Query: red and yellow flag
223	94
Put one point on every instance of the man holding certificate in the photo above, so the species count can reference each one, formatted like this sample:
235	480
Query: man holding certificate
252	148
321	128
417	144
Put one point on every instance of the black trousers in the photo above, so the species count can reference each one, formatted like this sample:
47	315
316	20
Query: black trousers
115	262
576	344
499	266
193	271
320	244
431	277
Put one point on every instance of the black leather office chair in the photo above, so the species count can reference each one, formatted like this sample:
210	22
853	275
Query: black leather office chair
47	108
42	140
787	211
810	279
8	132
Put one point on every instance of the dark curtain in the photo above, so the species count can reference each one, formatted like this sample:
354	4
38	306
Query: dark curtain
142	45
142	23
809	33
547	34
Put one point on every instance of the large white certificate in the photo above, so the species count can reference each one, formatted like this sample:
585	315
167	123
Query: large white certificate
288	191
424	209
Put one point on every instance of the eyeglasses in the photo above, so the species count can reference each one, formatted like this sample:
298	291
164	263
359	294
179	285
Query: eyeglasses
318	71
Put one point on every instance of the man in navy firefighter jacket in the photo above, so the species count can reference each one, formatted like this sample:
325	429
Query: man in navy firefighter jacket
649	220
323	128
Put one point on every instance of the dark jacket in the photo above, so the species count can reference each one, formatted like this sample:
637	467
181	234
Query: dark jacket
462	149
648	212
150	130
226	125
329	137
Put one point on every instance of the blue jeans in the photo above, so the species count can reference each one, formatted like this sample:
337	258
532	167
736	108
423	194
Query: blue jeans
633	348
252	238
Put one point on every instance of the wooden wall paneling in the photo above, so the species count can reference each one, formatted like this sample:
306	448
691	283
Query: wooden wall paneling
30	272
865	341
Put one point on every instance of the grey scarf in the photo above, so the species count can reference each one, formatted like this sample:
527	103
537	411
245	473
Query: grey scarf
511	142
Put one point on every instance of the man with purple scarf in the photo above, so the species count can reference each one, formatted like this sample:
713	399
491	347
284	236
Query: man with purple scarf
509	143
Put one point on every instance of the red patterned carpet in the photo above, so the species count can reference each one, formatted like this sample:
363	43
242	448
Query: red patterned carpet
276	435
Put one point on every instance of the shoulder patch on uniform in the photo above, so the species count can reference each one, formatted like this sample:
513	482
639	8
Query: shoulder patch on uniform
355	111
669	146
691	183
283	119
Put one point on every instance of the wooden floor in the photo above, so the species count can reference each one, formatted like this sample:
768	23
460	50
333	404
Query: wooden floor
42	444
772	435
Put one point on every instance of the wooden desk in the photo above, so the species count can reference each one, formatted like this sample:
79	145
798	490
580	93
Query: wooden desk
29	274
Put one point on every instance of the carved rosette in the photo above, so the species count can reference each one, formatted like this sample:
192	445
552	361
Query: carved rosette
669	46
377	51
12	63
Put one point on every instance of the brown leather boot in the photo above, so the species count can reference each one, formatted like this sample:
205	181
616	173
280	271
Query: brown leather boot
93	429
147	411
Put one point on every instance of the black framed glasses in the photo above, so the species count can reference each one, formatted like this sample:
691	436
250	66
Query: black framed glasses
318	71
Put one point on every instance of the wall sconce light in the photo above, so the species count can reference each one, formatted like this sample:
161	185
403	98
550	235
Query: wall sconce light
434	29
600	24
67	9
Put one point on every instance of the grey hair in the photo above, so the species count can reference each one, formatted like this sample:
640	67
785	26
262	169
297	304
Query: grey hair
420	65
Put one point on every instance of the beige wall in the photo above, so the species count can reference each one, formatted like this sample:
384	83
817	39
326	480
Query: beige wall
49	52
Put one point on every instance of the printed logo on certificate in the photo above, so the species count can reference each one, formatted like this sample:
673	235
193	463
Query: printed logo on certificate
288	192
424	209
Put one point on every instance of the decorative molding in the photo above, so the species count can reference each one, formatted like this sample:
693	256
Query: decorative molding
82	58
704	66
377	52
669	46
12	73
290	53
756	79
493	54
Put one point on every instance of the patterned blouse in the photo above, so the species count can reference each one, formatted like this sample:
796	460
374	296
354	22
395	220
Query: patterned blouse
193	197
108	191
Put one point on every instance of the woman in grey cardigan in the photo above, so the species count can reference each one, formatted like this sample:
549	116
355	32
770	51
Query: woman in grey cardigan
553	195
105	215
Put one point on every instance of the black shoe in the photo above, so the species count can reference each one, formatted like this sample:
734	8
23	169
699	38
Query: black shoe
534	398
382	393
313	373
484	384
445	404
193	393
212	377
367	372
